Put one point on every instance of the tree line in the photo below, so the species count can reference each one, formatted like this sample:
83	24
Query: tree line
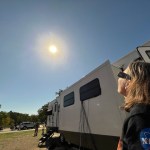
11	118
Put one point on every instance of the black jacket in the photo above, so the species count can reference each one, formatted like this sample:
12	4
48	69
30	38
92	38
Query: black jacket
136	128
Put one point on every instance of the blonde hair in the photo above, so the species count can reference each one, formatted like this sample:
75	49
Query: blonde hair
138	90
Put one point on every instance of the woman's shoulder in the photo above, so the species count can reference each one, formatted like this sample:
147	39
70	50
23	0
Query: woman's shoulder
138	118
139	109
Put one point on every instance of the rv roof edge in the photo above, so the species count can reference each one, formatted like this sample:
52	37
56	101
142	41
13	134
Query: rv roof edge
125	60
146	44
100	66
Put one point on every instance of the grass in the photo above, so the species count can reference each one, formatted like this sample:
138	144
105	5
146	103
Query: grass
21	140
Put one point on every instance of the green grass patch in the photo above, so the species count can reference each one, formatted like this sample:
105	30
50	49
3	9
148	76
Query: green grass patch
19	140
15	134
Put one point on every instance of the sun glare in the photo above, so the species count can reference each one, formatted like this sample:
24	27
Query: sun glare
53	49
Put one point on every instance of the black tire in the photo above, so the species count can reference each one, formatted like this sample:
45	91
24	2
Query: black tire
25	128
40	144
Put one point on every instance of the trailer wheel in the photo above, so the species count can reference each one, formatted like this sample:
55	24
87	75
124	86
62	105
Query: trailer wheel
40	144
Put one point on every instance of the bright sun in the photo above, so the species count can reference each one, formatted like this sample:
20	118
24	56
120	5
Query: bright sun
53	49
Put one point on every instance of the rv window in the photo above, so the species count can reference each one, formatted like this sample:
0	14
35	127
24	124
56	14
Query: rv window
49	112
69	99
89	90
148	53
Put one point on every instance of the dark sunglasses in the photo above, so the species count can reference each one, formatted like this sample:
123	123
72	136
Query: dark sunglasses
124	75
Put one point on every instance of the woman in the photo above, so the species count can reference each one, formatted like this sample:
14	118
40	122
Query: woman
134	85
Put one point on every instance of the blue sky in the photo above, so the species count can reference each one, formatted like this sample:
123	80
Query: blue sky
85	32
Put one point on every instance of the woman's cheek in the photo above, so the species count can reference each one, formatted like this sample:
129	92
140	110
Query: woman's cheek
121	86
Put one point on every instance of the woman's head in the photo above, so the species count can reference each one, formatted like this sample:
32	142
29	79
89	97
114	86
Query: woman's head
136	90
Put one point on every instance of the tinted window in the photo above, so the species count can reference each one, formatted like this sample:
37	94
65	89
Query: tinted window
89	90
148	53
69	99
49	112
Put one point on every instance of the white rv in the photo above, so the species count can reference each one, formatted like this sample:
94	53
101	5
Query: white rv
87	113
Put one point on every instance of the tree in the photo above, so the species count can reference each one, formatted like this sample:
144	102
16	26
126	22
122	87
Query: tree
42	113
4	119
14	118
19	117
34	118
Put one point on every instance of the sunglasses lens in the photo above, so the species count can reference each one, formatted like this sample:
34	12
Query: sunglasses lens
121	75
124	75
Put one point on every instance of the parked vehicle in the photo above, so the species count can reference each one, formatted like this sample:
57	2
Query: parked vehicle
87	113
26	125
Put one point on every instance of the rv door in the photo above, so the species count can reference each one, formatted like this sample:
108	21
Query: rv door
55	114
144	52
